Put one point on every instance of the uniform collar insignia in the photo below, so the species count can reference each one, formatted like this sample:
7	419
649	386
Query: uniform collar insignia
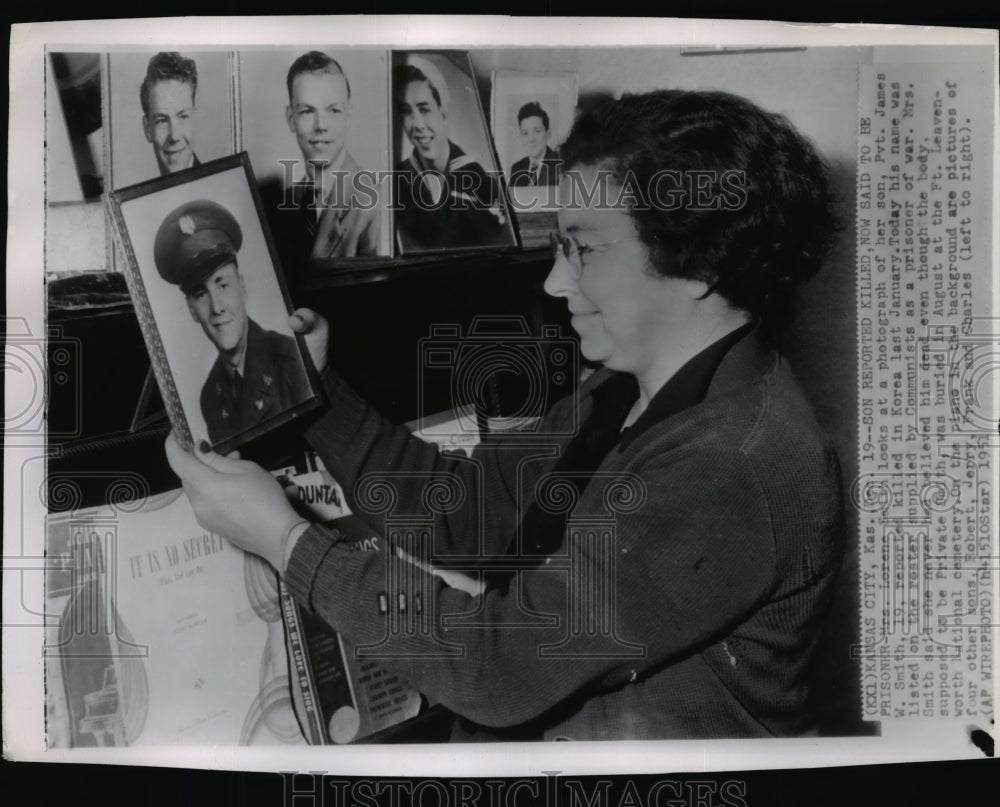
225	414
267	380
259	404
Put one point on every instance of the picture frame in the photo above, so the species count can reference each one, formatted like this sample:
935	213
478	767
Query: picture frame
286	146
448	188
531	111
187	238
76	160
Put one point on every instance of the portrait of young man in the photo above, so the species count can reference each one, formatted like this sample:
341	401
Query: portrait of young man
444	197
167	111
168	95
334	211
540	165
258	373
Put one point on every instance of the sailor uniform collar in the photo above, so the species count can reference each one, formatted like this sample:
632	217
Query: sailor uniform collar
457	159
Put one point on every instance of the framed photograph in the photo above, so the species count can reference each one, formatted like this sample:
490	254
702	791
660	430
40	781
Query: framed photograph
75	160
315	122
167	111
449	193
212	304
74	127
531	115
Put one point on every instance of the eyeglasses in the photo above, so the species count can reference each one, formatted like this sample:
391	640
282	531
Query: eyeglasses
573	251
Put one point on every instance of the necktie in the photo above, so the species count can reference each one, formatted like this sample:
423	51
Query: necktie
237	386
534	173
305	198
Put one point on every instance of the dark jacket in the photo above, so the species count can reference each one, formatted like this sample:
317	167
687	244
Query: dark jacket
683	603
471	212
274	380
294	224
548	170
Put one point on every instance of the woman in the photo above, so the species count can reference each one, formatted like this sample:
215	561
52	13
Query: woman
679	592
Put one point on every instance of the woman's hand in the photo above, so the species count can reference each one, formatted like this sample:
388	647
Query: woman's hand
316	332
236	499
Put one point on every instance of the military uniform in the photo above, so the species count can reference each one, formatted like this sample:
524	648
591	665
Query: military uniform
195	241
468	210
272	382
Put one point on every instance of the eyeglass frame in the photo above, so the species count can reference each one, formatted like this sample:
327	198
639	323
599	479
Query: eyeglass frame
566	242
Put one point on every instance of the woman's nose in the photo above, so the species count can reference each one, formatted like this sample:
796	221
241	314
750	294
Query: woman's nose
561	280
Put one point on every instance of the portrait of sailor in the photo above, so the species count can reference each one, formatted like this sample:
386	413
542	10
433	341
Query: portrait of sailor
444	197
258	373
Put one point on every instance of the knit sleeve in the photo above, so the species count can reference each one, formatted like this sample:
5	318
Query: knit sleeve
675	573
357	444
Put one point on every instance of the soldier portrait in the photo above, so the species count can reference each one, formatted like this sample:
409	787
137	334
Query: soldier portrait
219	307
257	373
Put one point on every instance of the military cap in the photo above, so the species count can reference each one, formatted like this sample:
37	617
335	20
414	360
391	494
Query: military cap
433	75
193	241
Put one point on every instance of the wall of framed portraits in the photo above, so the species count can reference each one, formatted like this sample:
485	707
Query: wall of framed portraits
102	136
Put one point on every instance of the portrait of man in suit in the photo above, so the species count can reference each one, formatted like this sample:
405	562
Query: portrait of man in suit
540	166
258	373
334	212
168	96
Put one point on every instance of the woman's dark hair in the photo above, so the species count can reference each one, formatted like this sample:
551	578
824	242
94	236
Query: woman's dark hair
721	191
